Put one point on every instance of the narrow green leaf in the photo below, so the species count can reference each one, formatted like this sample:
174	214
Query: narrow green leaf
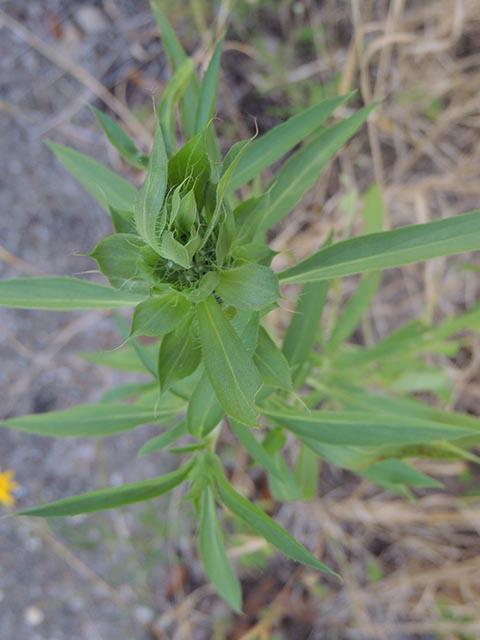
250	287
304	325
190	165
204	411
164	439
212	551
373	210
271	363
208	90
125	358
281	139
126	391
179	355
349	428
230	162
265	526
302	169
160	314
121	141
171	96
387	472
306	472
62	294
147	211
356	399
256	450
230	369
387	249
110	498
177	56
91	419
104	185
353	311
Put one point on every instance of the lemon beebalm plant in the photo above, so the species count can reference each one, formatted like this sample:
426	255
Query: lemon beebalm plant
189	256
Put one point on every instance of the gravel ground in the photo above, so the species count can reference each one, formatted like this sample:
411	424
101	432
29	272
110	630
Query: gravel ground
47	590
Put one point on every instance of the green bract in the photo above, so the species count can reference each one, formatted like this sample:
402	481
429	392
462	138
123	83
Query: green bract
189	254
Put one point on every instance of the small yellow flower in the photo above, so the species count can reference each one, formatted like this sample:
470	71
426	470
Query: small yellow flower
7	485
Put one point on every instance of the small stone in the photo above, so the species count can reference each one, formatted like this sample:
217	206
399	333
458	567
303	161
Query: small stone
33	616
91	19
143	614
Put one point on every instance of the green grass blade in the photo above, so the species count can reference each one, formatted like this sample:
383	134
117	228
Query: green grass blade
62	294
110	498
266	150
108	188
387	249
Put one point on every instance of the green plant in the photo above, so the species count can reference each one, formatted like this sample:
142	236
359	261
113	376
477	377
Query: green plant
191	257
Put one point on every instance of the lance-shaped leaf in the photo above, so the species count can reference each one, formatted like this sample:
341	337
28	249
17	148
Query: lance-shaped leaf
177	57
230	369
265	526
104	185
271	363
304	325
121	141
160	314
263	152
164	439
124	358
208	90
229	164
391	472
169	100
362	429
386	249
302	169
62	294
250	287
190	165
149	218
92	419
256	449
120	258
353	311
204	411
110	498
212	551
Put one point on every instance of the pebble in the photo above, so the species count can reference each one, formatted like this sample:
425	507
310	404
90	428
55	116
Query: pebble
33	616
91	19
